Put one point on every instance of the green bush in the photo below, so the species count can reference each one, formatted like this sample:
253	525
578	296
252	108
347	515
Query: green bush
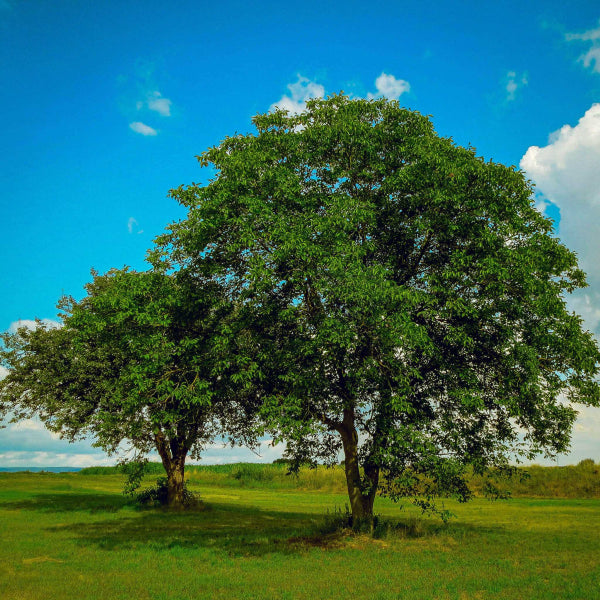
157	495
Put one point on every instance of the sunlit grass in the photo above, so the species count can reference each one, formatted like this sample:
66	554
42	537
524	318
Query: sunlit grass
73	536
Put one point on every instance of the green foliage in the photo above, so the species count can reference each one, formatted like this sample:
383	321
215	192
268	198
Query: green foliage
398	298
134	473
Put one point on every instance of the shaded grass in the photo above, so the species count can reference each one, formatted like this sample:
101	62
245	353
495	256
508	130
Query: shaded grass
67	536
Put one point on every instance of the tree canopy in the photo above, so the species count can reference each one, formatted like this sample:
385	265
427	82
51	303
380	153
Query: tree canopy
134	363
405	300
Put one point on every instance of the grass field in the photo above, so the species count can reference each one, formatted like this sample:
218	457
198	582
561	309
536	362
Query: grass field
76	536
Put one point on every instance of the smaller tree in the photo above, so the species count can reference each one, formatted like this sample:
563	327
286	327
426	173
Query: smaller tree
137	362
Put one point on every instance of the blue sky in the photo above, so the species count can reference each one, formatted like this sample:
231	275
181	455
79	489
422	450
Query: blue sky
106	104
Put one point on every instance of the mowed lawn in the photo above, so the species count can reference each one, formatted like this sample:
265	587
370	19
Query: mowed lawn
76	537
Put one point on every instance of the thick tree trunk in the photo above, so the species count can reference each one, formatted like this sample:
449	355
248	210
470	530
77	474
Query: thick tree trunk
173	456
361	500
175	480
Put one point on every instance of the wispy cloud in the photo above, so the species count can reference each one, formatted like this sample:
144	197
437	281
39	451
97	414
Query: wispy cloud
142	128
388	86
591	58
513	83
159	104
133	225
302	90
154	101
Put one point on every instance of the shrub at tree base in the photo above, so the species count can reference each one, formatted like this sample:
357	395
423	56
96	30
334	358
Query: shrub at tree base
158	495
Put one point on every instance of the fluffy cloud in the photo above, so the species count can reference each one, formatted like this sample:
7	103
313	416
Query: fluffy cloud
388	86
304	89
592	56
566	173
142	128
513	83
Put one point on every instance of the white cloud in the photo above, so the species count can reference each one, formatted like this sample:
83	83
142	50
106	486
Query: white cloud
31	324
3	372
513	83
566	173
142	128
592	56
159	104
154	101
304	89
388	86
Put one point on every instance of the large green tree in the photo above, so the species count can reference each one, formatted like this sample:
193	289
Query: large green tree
135	364
405	299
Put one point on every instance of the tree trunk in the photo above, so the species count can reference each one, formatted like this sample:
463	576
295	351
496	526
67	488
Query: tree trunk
361	502
173	456
175	480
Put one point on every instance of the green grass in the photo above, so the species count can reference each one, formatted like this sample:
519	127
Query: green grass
72	536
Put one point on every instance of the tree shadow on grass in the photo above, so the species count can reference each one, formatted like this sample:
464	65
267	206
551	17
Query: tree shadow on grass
237	530
234	530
